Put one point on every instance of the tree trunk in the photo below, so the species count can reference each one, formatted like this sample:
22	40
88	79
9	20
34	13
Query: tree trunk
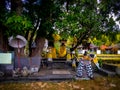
31	37
84	36
3	38
2	6
16	6
39	46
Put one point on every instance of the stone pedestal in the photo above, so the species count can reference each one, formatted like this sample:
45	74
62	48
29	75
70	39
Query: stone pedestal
118	71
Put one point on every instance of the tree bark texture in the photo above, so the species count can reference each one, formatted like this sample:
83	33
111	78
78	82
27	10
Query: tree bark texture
16	6
39	46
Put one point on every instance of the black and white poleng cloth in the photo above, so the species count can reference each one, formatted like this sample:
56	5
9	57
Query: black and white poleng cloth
84	69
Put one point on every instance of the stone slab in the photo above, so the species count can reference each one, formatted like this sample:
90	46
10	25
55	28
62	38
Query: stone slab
60	72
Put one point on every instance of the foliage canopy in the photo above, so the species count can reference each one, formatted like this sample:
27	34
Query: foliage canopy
82	19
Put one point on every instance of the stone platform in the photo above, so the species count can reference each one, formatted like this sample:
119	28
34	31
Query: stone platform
46	74
57	71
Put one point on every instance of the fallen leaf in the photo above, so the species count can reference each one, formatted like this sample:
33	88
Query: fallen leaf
75	87
82	88
42	86
39	84
112	85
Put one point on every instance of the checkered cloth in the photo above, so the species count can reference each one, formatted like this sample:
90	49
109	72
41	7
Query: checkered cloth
84	69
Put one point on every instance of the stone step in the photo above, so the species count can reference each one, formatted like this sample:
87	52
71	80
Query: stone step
106	72
51	77
55	77
109	67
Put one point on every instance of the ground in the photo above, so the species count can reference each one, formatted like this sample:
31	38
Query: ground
100	83
36	81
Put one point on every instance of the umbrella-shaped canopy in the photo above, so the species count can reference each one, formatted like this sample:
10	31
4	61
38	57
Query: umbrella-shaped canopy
93	46
109	48
103	47
17	42
116	46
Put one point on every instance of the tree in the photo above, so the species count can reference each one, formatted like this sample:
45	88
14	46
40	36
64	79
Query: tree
42	15
85	19
39	16
82	19
110	11
3	37
12	20
17	24
17	6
